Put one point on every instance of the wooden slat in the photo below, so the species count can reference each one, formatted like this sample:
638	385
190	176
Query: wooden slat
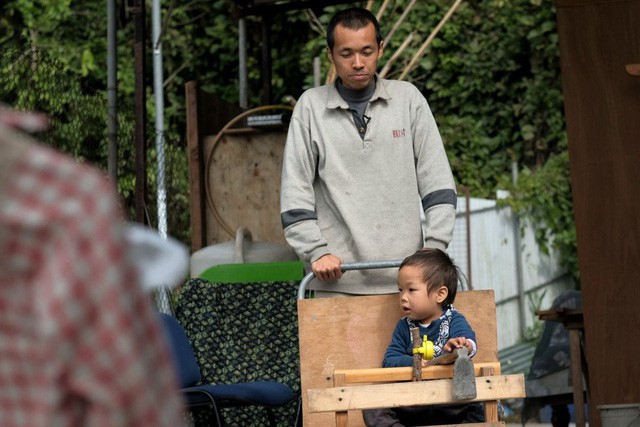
394	395
374	375
194	158
490	407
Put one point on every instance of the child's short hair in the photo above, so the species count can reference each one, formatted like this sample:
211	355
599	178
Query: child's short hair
437	269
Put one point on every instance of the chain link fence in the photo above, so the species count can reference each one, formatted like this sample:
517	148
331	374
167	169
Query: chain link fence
32	79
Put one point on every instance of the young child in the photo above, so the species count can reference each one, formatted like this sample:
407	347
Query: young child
427	282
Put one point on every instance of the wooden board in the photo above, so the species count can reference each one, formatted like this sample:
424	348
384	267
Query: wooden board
393	395
354	332
244	181
602	108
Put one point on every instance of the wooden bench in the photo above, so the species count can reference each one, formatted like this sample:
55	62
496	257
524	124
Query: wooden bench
343	341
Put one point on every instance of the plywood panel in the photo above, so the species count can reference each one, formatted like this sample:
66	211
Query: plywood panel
206	115
243	179
602	106
349	333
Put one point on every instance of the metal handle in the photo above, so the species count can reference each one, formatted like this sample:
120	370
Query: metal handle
366	265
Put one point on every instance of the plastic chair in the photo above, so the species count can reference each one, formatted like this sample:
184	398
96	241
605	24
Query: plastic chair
268	394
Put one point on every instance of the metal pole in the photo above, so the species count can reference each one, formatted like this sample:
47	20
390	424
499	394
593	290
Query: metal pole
163	295
138	12
366	265
266	60
517	242
242	62
112	92
316	71
467	217
158	93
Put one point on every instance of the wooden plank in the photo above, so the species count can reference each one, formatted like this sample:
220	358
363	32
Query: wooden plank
335	333
576	376
602	105
394	395
578	3
405	373
194	160
206	114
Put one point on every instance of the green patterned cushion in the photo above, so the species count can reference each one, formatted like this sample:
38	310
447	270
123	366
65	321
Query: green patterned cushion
244	332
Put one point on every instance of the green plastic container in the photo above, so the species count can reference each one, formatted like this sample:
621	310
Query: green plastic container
254	272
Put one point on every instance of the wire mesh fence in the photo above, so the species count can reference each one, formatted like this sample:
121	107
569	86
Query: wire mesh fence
33	79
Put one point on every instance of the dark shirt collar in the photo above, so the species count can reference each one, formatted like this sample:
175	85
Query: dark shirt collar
334	100
353	96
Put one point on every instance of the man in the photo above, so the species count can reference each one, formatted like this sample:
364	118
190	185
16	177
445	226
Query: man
360	155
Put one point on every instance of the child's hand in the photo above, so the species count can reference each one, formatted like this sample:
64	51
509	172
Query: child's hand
454	343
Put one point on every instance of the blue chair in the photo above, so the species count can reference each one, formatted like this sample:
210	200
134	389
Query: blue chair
268	394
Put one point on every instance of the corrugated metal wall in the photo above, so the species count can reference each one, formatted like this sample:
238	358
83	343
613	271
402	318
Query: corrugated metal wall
508	262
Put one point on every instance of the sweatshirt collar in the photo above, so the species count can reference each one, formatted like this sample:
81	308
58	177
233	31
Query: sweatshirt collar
334	100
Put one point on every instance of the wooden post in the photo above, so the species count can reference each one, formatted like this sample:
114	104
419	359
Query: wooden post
417	357
490	407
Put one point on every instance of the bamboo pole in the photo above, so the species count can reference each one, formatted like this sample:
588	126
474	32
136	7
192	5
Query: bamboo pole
399	21
428	41
383	6
396	55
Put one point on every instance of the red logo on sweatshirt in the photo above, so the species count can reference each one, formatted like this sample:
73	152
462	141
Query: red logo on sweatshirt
398	133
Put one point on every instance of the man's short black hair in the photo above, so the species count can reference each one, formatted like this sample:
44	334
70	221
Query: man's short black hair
354	18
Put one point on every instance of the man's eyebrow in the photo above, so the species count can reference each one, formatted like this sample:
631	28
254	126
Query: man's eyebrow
350	49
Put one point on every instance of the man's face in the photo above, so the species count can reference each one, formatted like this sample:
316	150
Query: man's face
355	55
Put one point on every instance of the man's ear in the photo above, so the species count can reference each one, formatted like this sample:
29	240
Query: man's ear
329	55
380	49
442	294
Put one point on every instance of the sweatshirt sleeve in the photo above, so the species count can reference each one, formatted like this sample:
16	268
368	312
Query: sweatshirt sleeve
460	327
435	179
397	353
297	196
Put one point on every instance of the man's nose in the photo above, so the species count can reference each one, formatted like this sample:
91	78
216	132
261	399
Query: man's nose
357	61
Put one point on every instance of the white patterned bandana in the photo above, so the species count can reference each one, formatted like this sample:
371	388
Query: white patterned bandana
443	331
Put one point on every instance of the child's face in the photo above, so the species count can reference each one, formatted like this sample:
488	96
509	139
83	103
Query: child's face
416	301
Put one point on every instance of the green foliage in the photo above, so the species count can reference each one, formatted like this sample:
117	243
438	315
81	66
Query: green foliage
543	195
492	79
534	332
31	80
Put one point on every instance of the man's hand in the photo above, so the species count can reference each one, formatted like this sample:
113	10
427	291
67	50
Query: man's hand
327	267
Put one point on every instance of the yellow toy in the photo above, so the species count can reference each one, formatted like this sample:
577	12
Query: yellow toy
425	350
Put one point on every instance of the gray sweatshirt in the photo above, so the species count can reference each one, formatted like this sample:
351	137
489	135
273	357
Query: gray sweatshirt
359	199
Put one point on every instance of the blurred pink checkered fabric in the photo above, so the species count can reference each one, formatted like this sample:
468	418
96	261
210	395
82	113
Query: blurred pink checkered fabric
79	341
